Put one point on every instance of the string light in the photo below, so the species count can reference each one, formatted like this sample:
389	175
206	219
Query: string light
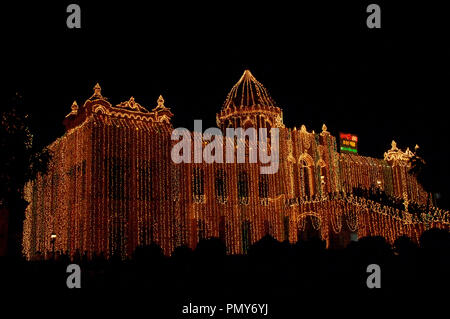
111	185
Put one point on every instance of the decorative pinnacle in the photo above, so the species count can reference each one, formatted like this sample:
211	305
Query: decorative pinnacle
97	90
74	109
416	147
74	106
324	128
394	145
160	101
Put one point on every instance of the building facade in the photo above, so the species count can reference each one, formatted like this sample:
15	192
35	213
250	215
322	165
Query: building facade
112	185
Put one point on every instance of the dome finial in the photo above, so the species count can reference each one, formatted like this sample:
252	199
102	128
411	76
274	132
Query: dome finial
74	109
97	93
161	101
97	90
394	145
74	106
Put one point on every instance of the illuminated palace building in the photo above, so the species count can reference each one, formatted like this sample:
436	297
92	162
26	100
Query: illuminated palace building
112	185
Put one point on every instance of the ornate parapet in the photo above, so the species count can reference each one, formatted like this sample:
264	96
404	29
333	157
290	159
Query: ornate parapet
99	105
397	156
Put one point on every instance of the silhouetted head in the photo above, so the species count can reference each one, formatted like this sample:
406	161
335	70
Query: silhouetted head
403	245
148	253
210	248
266	246
182	252
374	247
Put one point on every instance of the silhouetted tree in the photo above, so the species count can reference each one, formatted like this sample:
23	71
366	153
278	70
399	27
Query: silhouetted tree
21	161
422	172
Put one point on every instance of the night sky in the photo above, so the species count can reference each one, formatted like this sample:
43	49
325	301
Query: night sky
320	63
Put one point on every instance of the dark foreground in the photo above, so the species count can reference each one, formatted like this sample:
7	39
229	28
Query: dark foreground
293	280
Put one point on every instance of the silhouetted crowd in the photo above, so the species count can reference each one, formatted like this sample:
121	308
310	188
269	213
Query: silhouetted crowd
272	270
379	196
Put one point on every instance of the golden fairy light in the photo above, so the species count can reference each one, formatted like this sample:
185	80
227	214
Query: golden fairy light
111	185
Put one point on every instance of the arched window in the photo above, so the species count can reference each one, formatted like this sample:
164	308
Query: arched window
198	183
116	169
248	123
221	191
268	126
144	172
306	177
201	229
323	175
242	187
263	186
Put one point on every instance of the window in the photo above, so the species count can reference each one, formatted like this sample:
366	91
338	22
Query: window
221	185
116	177
242	187
83	179
307	178
144	172
198	182
201	229
263	186
323	178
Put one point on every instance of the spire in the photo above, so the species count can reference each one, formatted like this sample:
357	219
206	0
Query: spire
97	93
394	145
160	105
74	109
160	102
248	92
162	112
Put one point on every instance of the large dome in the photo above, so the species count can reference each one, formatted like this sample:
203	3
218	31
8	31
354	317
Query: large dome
249	105
248	92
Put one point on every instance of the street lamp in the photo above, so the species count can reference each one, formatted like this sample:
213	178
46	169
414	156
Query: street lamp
52	241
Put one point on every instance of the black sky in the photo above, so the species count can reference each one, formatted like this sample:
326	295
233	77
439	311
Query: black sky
319	62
